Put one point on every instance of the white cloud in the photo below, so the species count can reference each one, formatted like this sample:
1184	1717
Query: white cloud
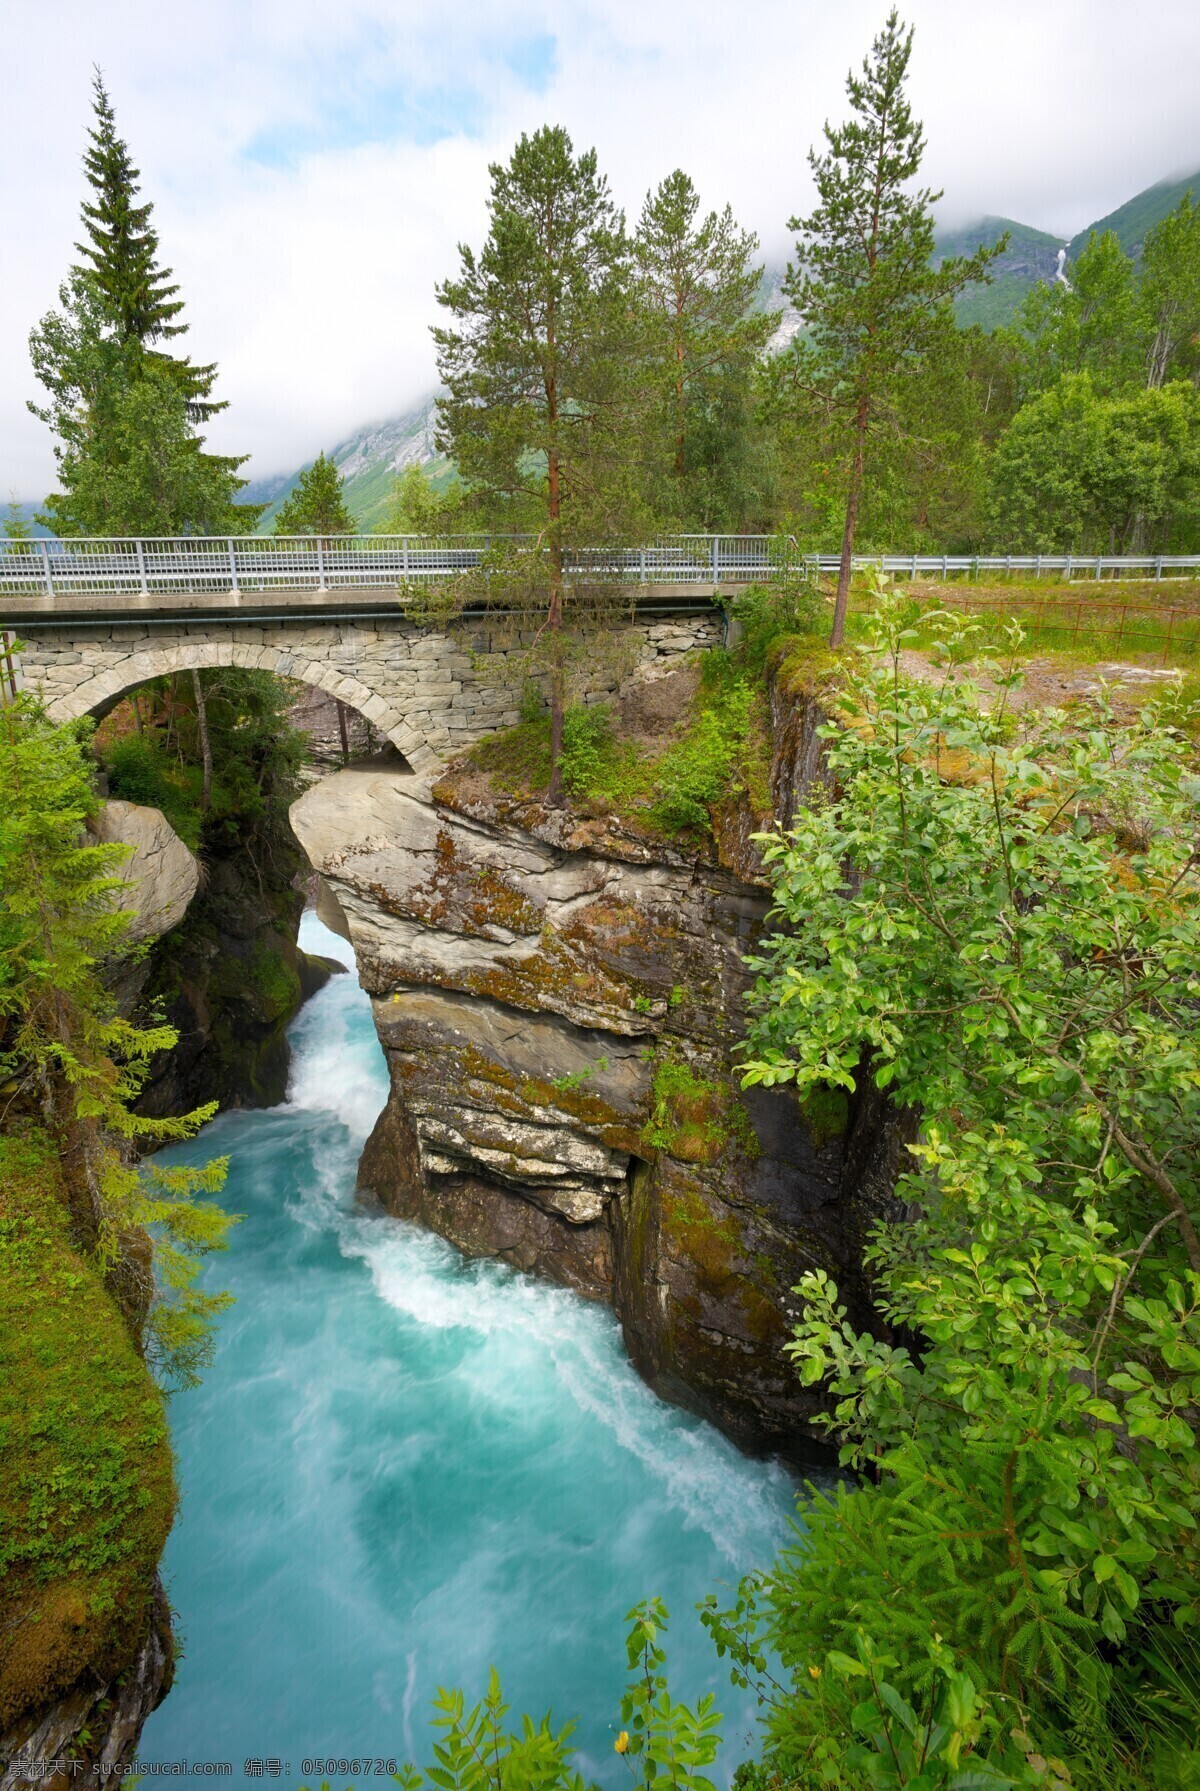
312	168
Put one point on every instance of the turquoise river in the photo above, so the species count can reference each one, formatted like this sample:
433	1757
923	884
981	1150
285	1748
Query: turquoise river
404	1467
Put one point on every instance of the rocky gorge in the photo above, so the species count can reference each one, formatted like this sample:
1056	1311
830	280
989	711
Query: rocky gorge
560	995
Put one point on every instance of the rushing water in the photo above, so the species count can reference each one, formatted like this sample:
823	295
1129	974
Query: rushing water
404	1467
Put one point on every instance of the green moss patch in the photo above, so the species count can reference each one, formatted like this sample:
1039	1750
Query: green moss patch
696	1119
87	1492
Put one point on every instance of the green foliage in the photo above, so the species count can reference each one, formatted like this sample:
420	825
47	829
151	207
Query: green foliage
771	612
256	755
1090	326
875	303
665	1743
703	768
417	507
129	459
1002	927
123	410
587	736
540	387
122	260
317	506
1080	472
65	1047
140	771
695	1118
696	283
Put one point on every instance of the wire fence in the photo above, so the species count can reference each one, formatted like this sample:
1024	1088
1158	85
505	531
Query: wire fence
1146	631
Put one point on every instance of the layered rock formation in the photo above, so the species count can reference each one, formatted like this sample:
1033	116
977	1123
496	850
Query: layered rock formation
559	998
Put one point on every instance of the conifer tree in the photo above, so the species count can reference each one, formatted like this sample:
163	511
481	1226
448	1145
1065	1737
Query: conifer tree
121	257
864	279
697	282
317	506
124	411
539	377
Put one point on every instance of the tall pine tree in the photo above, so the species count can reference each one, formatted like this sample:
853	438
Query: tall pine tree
864	280
697	281
123	409
121	258
540	381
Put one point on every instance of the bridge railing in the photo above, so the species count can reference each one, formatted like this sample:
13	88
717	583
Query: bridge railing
222	565
162	566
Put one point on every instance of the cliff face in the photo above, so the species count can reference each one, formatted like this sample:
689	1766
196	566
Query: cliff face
230	977
46	1750
558	998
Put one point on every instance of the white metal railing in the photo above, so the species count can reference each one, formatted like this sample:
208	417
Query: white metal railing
225	565
255	564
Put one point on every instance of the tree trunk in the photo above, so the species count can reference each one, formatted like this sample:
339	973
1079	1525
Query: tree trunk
205	744
838	631
680	411
554	624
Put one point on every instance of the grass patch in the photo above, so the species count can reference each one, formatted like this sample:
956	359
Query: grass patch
87	1492
1118	619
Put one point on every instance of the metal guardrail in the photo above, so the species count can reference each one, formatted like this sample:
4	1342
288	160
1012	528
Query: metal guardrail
224	565
234	564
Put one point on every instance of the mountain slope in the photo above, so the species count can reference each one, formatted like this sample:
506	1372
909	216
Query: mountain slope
1132	220
1031	255
368	461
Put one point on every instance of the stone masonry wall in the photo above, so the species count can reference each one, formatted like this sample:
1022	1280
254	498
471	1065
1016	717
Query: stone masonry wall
430	693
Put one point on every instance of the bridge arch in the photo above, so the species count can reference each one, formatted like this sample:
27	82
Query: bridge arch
97	694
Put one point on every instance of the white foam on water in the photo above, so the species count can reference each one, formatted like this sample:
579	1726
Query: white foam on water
337	1065
338	1069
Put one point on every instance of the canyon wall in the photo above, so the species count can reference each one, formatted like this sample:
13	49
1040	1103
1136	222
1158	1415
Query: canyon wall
559	996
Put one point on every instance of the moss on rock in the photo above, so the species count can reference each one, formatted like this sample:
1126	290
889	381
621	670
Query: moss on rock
87	1492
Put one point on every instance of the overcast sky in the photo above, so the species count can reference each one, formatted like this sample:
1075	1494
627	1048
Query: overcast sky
312	165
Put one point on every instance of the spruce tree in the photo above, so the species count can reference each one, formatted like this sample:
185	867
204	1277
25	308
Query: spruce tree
121	258
864	281
697	282
124	411
541	381
317	506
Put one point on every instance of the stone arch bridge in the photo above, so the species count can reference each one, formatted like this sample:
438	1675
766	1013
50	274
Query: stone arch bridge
98	619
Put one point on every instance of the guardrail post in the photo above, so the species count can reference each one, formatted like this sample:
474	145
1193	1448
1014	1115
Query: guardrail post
716	561
233	577
141	560
320	562
1158	567
46	568
405	559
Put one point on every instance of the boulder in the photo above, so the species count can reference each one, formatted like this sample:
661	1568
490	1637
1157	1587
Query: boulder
160	876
